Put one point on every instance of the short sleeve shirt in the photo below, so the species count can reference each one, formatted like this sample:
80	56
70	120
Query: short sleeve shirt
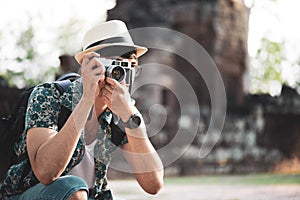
43	110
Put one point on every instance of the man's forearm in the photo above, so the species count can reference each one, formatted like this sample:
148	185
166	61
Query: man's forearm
144	160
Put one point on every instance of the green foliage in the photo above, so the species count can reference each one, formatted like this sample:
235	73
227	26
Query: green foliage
13	78
270	56
25	43
271	67
267	69
26	55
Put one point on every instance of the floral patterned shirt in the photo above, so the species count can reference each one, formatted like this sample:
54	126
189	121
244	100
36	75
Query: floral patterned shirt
43	110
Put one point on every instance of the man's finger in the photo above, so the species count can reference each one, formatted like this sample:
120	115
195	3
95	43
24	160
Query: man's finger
114	84
109	88
102	78
88	57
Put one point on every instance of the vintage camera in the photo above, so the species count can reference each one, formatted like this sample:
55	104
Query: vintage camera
119	70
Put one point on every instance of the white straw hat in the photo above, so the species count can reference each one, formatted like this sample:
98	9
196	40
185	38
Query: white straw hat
108	34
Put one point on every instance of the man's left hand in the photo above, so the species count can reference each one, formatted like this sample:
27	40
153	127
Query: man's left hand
117	98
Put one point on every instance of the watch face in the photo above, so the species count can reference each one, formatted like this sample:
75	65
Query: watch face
133	122
136	120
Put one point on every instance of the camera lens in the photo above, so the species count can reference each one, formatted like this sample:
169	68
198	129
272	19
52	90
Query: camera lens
118	73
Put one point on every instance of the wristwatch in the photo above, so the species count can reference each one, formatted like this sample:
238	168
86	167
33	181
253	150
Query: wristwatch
133	122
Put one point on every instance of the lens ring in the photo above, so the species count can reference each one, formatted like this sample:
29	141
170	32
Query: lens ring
118	73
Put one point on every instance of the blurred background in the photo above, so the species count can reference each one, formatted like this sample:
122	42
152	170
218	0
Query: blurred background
253	43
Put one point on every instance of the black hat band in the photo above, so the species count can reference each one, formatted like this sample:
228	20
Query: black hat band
109	41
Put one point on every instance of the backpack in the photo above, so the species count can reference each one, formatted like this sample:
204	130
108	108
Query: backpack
11	128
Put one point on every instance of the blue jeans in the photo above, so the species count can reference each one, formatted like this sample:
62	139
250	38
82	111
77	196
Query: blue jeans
61	189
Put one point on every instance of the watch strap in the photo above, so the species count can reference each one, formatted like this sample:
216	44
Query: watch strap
134	121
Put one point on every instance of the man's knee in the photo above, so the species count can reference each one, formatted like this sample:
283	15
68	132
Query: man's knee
73	187
79	195
65	187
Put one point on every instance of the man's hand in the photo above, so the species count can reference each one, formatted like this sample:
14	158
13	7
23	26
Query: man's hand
117	98
92	72
100	104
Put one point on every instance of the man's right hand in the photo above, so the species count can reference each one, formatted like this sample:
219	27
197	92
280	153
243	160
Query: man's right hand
92	72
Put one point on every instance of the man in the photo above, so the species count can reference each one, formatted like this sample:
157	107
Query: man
71	162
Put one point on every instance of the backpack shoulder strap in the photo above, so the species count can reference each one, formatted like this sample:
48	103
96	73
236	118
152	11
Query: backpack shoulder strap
62	85
64	81
64	112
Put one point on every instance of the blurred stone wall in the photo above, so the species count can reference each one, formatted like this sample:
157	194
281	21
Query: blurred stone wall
220	26
262	135
259	133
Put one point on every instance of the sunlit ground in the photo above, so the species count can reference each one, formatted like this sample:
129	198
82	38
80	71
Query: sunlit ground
233	187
